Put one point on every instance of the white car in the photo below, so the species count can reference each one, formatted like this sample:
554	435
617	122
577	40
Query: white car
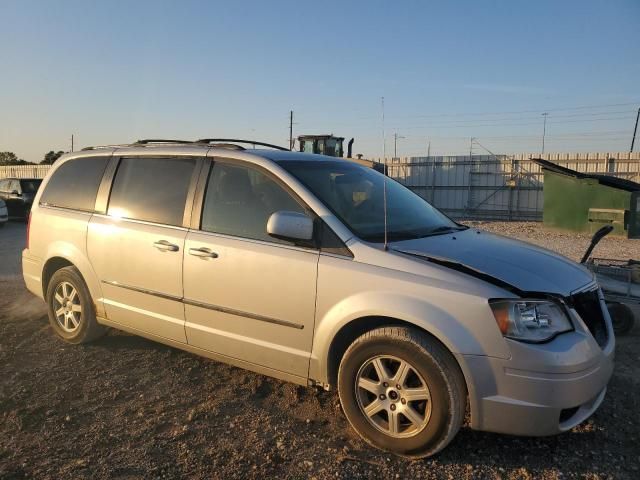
4	213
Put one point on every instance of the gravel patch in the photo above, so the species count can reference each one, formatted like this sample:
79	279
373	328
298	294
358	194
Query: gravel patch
569	244
124	407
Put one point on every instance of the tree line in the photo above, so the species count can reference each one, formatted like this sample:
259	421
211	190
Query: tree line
10	158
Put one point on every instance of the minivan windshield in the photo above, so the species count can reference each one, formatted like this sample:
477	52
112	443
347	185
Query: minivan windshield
355	194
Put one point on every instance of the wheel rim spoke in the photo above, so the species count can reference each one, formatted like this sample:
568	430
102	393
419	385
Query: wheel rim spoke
394	422
76	308
59	312
414	394
58	298
401	374
381	370
369	385
373	408
413	416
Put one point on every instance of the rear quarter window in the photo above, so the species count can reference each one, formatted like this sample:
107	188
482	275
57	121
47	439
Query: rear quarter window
75	184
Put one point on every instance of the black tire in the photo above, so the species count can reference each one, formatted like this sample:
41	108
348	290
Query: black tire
622	317
428	359
88	328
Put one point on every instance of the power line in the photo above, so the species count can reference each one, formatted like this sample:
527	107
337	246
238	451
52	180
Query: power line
538	111
476	124
515	112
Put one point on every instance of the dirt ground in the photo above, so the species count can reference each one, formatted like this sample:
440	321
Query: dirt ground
124	407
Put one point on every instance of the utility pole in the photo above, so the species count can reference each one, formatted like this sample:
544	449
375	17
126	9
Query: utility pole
544	130
395	144
471	148
291	130
428	150
384	138
72	143
635	130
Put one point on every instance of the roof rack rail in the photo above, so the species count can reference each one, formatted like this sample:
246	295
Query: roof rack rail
147	141
230	146
226	142
96	147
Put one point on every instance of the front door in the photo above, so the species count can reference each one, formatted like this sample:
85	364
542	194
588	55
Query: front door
136	248
247	295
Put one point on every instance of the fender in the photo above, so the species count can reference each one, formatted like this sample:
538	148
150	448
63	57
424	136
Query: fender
73	255
460	338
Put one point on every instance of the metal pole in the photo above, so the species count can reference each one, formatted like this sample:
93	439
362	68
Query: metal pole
72	143
384	180
635	130
395	145
384	140
544	130
291	130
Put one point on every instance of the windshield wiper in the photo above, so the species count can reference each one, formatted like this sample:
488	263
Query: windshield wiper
442	229
413	235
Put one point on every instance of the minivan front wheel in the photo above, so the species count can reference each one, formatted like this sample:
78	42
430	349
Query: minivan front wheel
70	308
402	391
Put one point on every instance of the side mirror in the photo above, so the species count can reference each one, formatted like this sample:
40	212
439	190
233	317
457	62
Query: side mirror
291	226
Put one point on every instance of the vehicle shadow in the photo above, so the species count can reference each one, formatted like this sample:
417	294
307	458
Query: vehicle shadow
116	340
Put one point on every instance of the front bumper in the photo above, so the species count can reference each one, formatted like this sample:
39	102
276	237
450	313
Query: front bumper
542	389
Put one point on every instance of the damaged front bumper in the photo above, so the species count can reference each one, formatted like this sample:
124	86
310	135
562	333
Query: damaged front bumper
542	389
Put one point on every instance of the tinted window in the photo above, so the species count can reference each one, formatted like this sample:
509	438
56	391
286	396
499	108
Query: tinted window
356	195
239	201
30	186
151	189
3	185
75	184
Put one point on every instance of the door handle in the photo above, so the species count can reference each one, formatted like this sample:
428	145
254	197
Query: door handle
165	246
202	253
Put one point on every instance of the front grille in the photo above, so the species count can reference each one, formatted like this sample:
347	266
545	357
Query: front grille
588	306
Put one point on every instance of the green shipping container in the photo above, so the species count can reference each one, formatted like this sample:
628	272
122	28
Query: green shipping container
583	202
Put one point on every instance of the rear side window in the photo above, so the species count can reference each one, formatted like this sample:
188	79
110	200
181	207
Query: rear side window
152	189
75	184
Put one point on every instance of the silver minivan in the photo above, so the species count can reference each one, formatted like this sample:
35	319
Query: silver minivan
322	272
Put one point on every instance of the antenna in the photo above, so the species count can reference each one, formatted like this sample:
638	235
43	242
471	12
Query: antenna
384	180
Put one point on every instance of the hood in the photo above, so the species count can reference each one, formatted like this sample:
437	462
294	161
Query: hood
506	261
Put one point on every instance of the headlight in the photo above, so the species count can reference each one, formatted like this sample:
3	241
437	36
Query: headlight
530	320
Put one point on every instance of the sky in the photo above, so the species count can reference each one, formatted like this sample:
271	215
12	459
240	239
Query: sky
116	71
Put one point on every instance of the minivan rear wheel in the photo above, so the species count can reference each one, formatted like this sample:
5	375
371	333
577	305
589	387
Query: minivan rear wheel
71	311
402	391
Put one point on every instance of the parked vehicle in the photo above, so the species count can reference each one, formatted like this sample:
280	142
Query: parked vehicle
18	194
321	272
4	213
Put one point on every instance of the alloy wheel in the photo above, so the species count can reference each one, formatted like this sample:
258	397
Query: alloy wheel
393	396
66	307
